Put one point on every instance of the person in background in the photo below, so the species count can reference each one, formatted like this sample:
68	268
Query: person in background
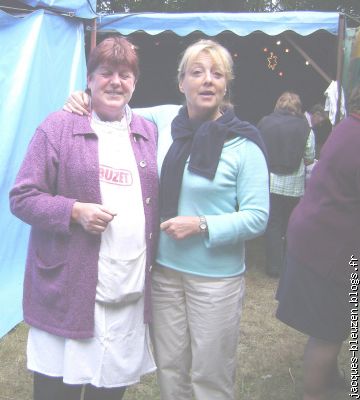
322	257
290	145
316	116
88	186
320	124
213	197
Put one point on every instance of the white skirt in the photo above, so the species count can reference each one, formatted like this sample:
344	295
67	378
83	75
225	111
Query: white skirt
118	354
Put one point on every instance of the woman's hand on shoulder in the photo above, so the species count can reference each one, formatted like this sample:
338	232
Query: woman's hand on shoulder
94	218
78	103
181	227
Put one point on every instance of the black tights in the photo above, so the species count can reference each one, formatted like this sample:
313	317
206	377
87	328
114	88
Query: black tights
51	388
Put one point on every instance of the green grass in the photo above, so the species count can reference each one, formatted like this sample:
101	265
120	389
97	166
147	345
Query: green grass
269	353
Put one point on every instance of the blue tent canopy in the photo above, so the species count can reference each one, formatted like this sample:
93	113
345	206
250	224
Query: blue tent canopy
79	8
43	60
211	24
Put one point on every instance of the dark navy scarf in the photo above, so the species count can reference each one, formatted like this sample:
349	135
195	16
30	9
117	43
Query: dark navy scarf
203	142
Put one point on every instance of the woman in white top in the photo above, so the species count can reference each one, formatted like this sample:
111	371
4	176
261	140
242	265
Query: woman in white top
88	188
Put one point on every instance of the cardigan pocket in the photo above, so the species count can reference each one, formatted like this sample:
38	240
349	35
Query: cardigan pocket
50	284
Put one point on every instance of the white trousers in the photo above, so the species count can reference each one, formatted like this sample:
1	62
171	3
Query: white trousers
195	332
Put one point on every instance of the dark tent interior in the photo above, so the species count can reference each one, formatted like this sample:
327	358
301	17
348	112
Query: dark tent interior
264	66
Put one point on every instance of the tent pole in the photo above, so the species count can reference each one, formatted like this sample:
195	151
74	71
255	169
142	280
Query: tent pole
340	64
93	35
308	58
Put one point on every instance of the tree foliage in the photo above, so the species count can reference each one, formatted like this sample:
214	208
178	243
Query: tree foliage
351	7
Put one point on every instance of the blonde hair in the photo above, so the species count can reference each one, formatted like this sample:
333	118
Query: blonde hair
290	102
220	55
215	50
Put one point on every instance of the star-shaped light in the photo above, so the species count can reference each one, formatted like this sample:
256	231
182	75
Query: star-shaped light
272	61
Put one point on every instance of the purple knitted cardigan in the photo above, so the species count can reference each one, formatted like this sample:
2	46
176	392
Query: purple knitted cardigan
60	167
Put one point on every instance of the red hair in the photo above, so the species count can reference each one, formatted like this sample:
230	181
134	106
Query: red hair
115	51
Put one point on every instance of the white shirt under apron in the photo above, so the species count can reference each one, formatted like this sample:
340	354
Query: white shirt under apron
119	353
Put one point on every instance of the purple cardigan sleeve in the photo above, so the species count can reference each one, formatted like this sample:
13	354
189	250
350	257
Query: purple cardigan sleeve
33	198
